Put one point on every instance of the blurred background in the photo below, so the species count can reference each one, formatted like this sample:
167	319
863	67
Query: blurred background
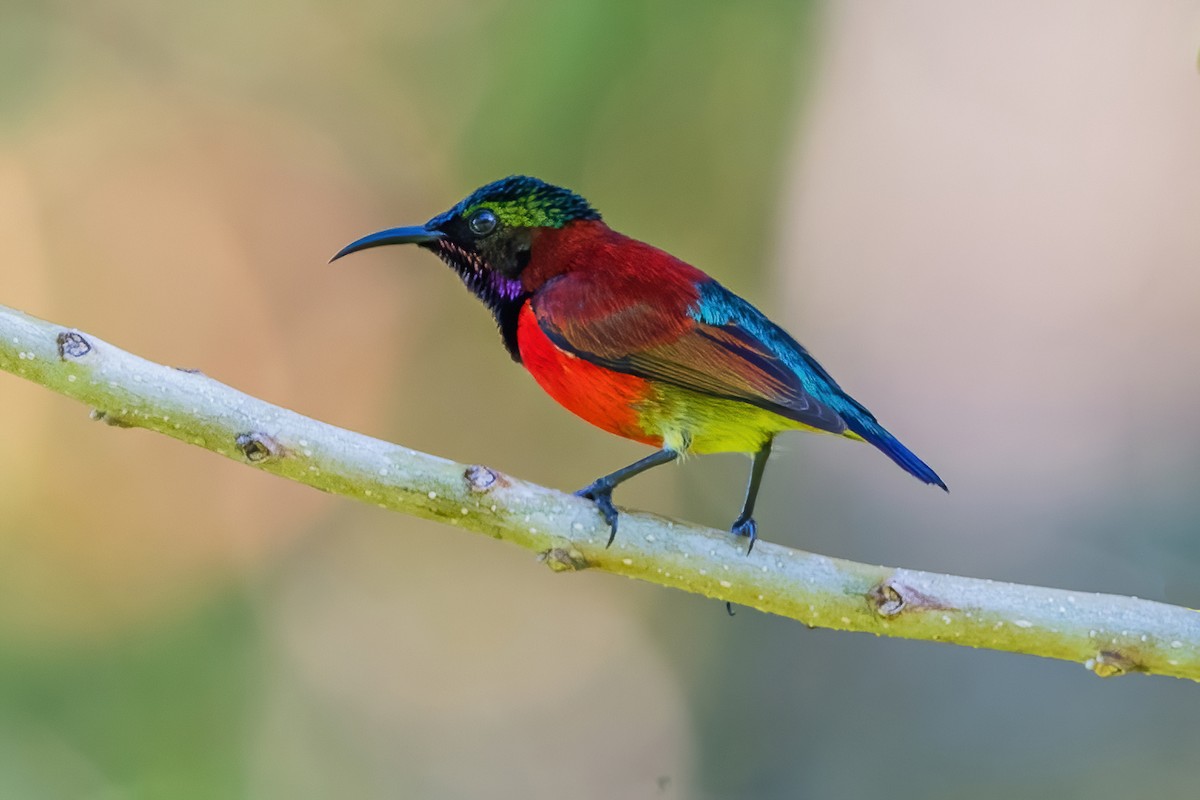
982	217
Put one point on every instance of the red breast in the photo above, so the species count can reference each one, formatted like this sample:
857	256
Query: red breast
600	396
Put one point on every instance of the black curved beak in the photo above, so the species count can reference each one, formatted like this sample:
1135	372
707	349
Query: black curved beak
417	234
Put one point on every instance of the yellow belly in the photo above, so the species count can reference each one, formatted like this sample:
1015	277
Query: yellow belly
695	423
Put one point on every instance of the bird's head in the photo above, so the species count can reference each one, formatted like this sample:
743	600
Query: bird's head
488	237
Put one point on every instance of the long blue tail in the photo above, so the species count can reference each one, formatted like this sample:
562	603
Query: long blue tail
873	432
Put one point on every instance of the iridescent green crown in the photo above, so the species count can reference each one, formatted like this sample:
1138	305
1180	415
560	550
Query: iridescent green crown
523	202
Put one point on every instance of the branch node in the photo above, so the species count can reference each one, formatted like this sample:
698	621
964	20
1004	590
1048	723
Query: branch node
258	447
72	345
1111	664
482	479
562	559
109	418
885	600
891	597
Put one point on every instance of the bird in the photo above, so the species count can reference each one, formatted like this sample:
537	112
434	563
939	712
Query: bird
636	341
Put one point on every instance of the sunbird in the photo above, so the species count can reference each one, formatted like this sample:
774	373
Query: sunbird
634	340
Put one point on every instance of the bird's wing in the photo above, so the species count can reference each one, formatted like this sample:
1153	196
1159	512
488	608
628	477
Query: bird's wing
703	338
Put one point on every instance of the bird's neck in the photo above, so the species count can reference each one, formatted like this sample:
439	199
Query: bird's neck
574	246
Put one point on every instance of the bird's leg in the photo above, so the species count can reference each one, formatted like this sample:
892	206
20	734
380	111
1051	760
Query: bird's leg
600	490
745	524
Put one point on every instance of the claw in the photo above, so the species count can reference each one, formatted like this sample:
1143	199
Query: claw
601	494
746	527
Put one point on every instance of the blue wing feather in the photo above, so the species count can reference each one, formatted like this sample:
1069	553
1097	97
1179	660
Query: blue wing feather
718	306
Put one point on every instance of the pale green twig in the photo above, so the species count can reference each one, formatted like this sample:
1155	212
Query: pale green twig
1109	634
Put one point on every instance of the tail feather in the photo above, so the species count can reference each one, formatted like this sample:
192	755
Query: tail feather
873	432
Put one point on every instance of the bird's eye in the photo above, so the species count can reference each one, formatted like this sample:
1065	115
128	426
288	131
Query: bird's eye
482	222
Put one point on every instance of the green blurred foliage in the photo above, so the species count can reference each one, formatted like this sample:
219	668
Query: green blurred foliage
162	711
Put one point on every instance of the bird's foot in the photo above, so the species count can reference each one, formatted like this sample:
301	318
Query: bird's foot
746	526
600	493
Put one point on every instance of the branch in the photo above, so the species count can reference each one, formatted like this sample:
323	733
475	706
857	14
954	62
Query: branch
1109	634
